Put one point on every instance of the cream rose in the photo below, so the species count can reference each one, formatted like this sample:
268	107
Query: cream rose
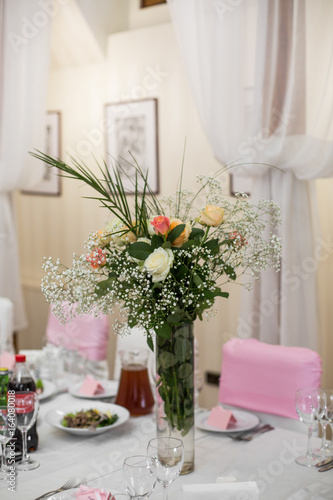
158	264
211	216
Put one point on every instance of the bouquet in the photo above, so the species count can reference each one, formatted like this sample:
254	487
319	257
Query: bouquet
163	263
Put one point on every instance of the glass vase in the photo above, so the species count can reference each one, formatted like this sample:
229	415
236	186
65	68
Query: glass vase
175	389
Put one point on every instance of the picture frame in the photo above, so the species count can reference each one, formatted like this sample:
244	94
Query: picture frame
240	184
132	138
50	185
150	3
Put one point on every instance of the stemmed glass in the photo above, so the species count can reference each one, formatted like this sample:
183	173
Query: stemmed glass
326	450
7	431
26	407
310	405
168	459
139	476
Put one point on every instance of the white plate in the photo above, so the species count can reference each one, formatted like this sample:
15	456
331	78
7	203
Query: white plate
54	417
110	390
70	495
245	422
50	389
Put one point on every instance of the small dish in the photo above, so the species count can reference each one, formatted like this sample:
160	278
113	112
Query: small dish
54	417
50	389
110	390
244	422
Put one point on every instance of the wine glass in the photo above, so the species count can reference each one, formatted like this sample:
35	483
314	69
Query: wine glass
310	405
139	476
26	407
7	431
168	459
326	450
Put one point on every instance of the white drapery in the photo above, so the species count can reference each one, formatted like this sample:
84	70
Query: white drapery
262	78
25	33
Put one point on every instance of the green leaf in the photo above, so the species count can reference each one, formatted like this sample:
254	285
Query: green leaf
166	244
212	245
157	241
176	232
216	293
185	370
150	342
163	330
197	280
104	286
167	360
183	349
174	319
180	272
189	244
197	233
140	250
230	271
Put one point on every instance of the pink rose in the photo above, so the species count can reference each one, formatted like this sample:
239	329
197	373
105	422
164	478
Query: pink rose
97	258
161	224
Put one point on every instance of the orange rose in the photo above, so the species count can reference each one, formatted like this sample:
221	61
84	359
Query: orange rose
97	258
184	236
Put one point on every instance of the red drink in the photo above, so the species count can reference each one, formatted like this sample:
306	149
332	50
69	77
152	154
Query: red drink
134	391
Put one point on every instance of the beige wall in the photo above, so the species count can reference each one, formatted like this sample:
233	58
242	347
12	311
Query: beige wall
57	226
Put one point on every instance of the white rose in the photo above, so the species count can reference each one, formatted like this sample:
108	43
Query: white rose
158	264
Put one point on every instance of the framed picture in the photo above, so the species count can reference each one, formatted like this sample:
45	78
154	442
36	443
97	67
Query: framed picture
51	182
131	138
240	184
149	3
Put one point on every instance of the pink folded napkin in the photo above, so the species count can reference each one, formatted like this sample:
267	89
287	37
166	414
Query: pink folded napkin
221	418
86	493
90	386
7	360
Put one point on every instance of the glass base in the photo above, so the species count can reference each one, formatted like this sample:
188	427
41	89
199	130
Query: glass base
187	468
27	465
308	461
323	452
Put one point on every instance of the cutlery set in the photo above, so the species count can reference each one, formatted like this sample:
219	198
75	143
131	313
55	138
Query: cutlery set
325	465
249	434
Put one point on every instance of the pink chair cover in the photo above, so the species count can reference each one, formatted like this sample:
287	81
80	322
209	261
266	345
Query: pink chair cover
264	377
86	334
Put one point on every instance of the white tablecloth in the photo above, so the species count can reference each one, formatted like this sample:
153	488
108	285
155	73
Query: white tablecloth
268	459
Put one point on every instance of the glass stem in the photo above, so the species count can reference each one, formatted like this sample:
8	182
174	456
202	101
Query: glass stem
309	448
323	438
165	492
24	446
2	460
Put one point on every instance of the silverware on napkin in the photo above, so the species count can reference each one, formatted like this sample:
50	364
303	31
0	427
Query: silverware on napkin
72	482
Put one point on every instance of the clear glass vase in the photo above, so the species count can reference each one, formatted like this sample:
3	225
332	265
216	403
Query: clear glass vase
175	389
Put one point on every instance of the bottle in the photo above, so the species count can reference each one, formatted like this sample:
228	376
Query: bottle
4	378
22	380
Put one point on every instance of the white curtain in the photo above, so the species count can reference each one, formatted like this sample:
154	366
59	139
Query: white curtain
24	54
261	72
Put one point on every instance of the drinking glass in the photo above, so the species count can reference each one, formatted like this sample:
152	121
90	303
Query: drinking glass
26	407
310	405
168	459
326	450
7	431
139	476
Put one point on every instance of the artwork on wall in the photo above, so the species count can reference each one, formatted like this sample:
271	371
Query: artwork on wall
51	182
149	3
240	184
132	138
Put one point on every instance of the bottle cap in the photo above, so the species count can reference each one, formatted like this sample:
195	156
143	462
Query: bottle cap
20	358
3	371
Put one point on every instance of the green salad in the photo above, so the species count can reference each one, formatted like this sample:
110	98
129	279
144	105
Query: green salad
89	418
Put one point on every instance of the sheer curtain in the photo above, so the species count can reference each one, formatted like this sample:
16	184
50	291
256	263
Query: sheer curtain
262	79
24	54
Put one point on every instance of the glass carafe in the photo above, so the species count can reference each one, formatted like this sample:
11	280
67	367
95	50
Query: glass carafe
134	391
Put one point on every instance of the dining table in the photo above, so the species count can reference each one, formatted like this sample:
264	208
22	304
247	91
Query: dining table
268	459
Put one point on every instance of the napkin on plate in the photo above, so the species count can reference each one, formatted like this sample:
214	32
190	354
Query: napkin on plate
91	386
86	493
216	491
221	418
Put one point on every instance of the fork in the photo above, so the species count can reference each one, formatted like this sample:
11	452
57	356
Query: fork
72	482
249	435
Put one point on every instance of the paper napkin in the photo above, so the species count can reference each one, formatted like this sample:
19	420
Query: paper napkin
90	386
216	491
220	418
86	493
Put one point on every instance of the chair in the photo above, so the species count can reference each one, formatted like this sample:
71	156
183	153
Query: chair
7	358
264	377
85	335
